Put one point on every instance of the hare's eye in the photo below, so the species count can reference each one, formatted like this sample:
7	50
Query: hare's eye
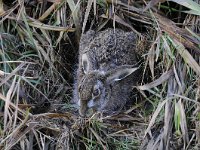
96	92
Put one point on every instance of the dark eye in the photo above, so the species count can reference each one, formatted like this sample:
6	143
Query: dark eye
96	92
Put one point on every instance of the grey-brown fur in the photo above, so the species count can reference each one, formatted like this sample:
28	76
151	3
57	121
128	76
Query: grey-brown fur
107	69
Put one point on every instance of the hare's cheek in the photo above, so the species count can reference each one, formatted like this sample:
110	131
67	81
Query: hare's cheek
91	103
79	103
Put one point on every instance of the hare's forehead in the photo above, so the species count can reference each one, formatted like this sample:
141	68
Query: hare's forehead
87	82
92	77
89	79
85	89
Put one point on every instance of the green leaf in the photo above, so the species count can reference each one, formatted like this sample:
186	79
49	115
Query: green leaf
177	118
193	12
195	7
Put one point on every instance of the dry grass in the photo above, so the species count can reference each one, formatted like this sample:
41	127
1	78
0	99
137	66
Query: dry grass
38	47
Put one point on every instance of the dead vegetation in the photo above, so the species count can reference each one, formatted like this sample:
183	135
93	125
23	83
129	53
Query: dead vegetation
38	47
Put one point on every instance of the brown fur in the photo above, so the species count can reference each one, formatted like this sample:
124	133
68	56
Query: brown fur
106	66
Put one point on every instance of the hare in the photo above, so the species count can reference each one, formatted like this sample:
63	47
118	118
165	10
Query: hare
107	70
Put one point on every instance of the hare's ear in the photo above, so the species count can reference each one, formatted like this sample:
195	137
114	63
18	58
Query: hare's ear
85	63
119	74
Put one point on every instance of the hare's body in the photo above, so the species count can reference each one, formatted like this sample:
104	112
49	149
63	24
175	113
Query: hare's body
106	71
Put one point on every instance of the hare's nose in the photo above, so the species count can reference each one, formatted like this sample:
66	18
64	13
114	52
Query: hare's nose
83	108
82	112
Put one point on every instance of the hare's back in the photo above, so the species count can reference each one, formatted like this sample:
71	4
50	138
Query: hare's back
113	48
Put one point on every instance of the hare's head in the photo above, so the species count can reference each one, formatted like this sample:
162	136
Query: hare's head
93	88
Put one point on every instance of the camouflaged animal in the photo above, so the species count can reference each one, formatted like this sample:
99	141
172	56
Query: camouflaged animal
107	70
